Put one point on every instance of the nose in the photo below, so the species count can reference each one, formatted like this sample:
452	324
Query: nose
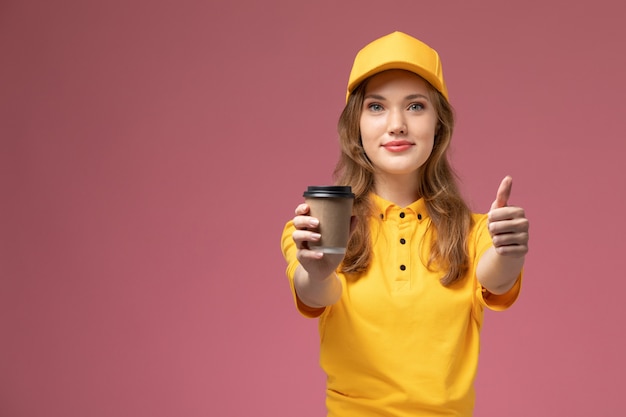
396	124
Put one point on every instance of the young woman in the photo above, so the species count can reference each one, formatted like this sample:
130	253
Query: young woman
400	313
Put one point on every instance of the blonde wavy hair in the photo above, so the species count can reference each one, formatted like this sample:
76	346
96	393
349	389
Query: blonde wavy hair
450	216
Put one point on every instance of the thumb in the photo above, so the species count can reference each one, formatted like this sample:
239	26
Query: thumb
504	192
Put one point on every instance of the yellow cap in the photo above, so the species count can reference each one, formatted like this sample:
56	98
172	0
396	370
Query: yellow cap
398	51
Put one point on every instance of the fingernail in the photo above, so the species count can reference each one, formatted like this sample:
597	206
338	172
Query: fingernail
315	236
314	222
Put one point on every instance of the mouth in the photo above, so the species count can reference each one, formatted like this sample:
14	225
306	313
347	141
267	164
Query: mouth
397	145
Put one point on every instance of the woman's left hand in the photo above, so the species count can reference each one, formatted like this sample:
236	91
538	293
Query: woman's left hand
508	225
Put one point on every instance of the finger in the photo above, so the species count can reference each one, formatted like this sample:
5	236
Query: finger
304	255
512	250
302	237
306	222
509	226
503	194
506	213
511	239
302	209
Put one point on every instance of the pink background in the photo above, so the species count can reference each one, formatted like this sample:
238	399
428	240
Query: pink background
152	150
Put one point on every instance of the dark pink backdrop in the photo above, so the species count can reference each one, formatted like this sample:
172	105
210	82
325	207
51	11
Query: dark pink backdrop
152	150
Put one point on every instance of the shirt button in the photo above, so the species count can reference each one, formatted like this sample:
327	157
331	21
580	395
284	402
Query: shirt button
419	217
402	241
382	216
402	215
402	267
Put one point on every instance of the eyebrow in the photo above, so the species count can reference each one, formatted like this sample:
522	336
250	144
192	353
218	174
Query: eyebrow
409	97
416	96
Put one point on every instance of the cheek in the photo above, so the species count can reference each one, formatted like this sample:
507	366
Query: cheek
430	132
368	148
366	135
372	128
363	127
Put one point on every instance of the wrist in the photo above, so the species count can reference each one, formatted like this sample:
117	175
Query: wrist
317	292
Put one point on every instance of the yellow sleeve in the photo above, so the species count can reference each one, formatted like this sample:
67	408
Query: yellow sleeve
289	249
482	242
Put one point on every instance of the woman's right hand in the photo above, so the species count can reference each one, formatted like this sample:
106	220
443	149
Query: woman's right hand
318	265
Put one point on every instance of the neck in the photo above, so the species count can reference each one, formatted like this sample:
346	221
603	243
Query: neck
398	189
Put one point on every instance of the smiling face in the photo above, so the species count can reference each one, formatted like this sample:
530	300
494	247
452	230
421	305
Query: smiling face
398	123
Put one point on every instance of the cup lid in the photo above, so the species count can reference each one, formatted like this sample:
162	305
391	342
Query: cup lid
337	191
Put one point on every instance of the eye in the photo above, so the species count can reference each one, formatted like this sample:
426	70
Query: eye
375	107
416	106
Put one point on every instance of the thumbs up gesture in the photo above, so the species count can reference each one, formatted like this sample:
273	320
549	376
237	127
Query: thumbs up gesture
508	225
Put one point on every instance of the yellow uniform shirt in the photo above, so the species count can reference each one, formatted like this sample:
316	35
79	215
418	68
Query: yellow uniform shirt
398	343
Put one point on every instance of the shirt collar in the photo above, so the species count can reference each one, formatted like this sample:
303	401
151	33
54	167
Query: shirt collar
384	208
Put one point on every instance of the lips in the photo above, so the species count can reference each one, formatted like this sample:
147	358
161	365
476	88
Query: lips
397	145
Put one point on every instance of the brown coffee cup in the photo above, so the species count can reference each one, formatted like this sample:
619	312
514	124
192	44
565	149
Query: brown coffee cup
332	206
